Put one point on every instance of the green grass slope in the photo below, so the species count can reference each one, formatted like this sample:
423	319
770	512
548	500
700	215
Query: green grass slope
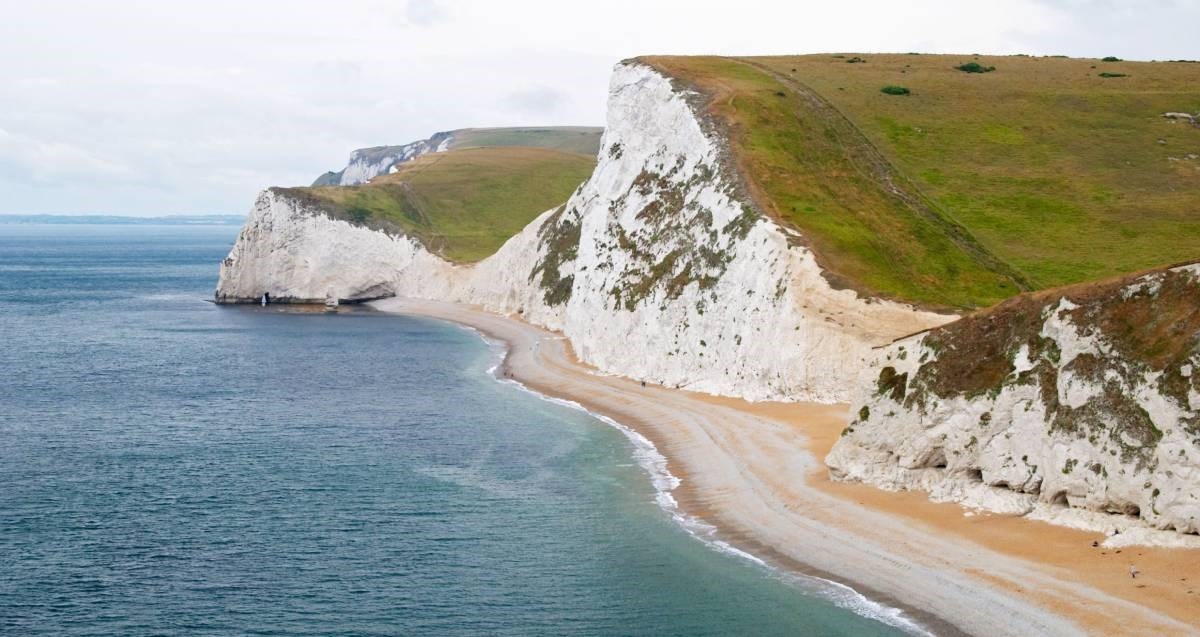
461	204
1038	173
584	140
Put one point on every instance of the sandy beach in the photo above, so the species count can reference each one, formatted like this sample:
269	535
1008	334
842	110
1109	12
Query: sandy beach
752	470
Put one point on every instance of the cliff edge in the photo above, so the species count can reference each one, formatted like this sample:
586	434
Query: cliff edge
752	229
658	267
1056	404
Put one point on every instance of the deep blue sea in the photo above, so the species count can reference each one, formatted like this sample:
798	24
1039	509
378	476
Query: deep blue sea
171	467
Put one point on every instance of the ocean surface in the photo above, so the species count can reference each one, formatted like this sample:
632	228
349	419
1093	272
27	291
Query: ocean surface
171	467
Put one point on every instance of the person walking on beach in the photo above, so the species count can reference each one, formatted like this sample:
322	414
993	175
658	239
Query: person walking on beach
1133	571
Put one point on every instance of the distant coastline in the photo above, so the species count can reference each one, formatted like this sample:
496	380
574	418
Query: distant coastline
172	220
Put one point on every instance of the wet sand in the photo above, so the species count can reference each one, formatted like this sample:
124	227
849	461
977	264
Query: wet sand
752	470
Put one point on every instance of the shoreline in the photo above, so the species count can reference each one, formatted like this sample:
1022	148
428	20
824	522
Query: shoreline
844	595
950	573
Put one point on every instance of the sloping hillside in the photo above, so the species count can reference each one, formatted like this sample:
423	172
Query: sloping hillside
461	204
678	260
1086	396
367	163
1038	173
584	140
656	267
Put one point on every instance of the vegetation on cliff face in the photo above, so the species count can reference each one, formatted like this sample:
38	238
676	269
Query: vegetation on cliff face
975	186
1148	328
692	249
1086	395
558	239
809	168
460	204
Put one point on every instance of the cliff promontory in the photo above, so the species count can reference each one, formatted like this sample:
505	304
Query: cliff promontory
660	266
1086	397
767	228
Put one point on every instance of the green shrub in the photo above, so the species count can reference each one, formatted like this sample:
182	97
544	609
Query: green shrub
1110	58
855	60
359	213
975	67
1107	74
894	90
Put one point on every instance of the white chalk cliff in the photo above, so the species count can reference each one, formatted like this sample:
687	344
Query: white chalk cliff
1061	406
368	163
294	252
656	268
660	268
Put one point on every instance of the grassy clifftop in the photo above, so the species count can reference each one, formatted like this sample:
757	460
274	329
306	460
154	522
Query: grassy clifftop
461	204
568	139
584	140
972	186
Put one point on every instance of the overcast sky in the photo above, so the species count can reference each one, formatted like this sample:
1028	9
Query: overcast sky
164	107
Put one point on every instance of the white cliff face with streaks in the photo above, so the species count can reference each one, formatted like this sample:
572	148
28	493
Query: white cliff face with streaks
296	253
1094	409
654	269
678	281
367	163
657	269
292	252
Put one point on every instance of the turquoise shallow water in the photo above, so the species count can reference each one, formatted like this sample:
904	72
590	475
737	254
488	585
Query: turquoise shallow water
170	467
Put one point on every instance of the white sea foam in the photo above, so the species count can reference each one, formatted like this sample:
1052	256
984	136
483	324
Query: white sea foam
654	463
172	297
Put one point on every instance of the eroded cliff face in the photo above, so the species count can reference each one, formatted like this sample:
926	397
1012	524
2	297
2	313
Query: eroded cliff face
292	250
368	163
1080	400
657	268
295	253
678	280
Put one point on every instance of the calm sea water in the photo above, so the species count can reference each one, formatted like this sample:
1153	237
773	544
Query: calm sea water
170	467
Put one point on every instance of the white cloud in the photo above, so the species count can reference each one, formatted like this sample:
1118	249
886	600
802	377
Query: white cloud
424	12
146	106
51	162
536	99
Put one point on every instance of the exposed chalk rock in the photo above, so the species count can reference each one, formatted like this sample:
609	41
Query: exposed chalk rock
1068	406
1056	405
656	268
368	163
295	253
678	280
1194	120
